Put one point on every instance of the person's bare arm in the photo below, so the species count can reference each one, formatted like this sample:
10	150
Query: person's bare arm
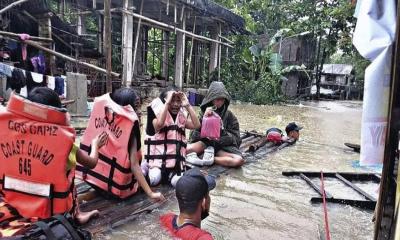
193	122
90	161
137	172
159	121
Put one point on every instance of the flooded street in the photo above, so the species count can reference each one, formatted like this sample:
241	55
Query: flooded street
258	202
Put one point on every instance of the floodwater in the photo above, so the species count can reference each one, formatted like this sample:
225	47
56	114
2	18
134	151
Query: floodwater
258	202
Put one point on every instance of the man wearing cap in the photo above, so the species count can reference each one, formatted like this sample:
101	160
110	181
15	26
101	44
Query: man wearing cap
275	135
192	192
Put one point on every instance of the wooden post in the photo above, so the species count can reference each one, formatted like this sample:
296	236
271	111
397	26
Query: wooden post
219	54
100	33
45	32
134	68
213	52
179	55
80	27
190	54
127	42
165	55
107	43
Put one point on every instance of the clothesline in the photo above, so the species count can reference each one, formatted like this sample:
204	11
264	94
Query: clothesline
7	70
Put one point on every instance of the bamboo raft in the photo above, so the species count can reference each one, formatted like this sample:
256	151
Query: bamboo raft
114	213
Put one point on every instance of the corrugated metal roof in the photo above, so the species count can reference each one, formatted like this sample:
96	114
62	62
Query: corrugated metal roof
342	69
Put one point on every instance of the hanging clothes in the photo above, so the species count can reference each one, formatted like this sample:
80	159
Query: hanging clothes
59	85
39	63
31	83
17	80
5	69
23	37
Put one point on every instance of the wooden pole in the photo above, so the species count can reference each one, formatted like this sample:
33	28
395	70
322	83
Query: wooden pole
137	38
107	43
219	54
14	4
180	56
190	54
127	43
33	38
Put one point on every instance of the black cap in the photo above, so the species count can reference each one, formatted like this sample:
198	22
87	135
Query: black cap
292	127
194	186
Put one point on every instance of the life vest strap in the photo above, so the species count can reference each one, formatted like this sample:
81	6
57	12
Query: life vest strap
173	128
106	179
164	141
166	156
109	161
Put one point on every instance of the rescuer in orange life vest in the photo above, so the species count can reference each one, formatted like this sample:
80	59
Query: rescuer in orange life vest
38	158
168	117
118	171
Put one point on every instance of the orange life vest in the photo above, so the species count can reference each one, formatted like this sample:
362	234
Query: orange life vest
35	141
113	170
167	148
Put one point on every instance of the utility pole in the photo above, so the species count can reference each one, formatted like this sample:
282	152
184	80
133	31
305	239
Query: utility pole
107	43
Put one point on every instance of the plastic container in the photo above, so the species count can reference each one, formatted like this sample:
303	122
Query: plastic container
192	98
211	127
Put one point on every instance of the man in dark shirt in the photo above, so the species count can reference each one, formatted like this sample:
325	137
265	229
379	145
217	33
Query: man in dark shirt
192	192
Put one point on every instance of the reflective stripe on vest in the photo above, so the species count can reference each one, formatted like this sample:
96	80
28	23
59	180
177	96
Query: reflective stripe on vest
168	146
32	167
113	170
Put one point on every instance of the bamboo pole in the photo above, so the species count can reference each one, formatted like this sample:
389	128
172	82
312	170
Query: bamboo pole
226	39
60	55
14	4
190	54
107	43
10	34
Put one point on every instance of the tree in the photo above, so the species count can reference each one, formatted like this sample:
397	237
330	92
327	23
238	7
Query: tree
330	22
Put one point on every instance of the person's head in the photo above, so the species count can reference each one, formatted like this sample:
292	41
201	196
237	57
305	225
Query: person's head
218	102
45	96
176	102
293	130
192	192
127	96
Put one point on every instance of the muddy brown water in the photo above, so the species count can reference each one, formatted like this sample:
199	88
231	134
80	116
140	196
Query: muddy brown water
258	202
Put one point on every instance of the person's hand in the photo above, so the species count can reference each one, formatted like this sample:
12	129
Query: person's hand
157	196
184	99
170	95
208	112
100	140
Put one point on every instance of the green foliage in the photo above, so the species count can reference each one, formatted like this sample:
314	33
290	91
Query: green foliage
252	74
247	72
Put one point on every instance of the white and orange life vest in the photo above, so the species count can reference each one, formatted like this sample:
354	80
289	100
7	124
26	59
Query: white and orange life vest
113	170
167	148
35	141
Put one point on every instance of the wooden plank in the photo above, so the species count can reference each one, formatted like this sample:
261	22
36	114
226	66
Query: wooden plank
365	204
347	175
314	186
357	189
